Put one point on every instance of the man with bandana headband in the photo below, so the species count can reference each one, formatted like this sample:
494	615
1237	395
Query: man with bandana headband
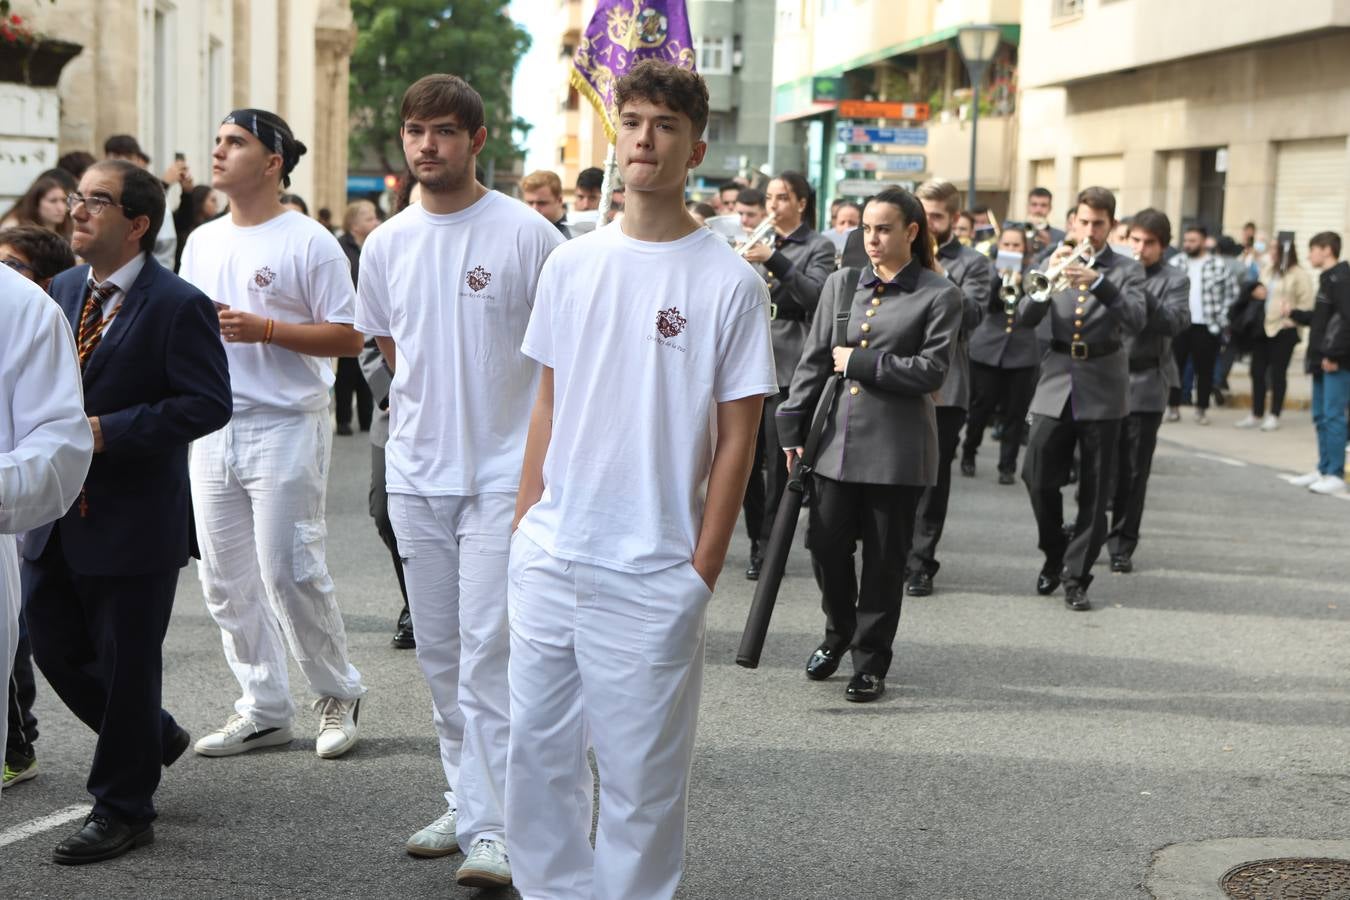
284	290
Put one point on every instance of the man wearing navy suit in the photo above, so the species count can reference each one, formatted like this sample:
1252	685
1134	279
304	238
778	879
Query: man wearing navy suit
99	584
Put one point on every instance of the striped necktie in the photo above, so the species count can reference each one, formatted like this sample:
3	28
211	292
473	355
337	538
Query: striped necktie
92	323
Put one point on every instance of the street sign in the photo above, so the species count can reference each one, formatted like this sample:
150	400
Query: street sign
364	184
826	89
873	109
862	187
882	162
913	137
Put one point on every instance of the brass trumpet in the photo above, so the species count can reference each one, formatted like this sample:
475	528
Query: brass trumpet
1040	285
1009	292
759	235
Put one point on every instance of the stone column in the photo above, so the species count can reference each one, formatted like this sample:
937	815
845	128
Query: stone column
334	40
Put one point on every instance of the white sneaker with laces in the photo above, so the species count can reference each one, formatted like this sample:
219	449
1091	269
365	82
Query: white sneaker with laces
1270	423
240	735
1201	418
1173	415
437	839
1328	484
485	865
1306	480
337	726
1247	421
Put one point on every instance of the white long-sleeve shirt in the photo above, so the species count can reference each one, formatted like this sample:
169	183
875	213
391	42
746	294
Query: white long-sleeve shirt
45	441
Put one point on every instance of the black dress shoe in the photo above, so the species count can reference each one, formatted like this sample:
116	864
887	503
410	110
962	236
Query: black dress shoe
176	746
102	838
752	570
822	663
403	633
919	584
968	468
344	430
1122	564
864	688
1046	584
1007	478
1075	598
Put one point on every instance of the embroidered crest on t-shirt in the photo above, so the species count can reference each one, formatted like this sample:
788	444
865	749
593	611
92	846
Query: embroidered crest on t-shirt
264	276
479	278
670	323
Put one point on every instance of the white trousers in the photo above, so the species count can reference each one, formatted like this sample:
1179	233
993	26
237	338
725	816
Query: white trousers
618	658
259	487
11	599
454	553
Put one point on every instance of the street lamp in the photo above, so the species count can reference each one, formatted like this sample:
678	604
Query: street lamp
977	44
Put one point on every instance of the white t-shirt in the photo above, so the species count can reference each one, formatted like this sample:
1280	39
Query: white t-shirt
454	292
644	339
290	269
1194	270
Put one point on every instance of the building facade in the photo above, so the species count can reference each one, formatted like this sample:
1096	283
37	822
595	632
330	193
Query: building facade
902	58
1214	112
167	71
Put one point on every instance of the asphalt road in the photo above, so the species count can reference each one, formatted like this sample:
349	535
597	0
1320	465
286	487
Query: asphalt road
1022	751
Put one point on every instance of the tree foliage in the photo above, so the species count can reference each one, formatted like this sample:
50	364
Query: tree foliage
399	42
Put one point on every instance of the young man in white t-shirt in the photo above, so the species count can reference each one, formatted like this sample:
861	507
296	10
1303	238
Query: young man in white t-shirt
259	485
446	290
654	337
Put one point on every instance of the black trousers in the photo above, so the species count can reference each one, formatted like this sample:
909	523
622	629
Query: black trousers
752	505
98	640
350	382
1270	362
1134	461
379	511
932	511
1200	347
861	616
775	465
23	725
991	387
1048	461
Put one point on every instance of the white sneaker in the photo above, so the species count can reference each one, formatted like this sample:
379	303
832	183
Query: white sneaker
437	839
1270	423
240	735
1201	418
485	865
1173	415
1328	484
337	726
1247	421
1306	480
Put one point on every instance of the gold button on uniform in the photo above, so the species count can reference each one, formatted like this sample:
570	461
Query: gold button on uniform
1077	337
1078	311
863	343
1082	298
853	391
876	301
866	326
871	313
1077	323
1008	329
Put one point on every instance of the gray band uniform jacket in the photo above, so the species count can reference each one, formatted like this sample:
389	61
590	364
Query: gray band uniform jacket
1098	387
970	271
797	272
884	429
1167	292
1001	340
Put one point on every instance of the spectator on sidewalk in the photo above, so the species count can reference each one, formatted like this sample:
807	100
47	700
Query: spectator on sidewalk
43	205
357	223
1328	361
1213	290
1286	286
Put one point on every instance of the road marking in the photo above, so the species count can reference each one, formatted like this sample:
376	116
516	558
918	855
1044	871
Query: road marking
1227	461
45	823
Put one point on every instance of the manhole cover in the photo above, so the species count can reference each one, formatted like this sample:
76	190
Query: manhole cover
1298	878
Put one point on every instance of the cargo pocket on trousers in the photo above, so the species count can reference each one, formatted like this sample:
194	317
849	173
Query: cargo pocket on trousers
309	563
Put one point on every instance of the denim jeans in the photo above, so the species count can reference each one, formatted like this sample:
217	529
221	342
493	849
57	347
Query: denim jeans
1331	393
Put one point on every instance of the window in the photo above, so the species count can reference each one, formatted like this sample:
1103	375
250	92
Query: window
714	55
721	128
1065	9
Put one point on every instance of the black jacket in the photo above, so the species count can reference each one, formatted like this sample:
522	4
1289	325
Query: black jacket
1329	320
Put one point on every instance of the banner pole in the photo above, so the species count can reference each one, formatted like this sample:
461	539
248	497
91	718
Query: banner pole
607	186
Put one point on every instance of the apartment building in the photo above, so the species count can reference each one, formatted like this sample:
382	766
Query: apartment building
168	71
1216	112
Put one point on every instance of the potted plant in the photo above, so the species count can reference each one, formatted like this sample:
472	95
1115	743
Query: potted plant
27	57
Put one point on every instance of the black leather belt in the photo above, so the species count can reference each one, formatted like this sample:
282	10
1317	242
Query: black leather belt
1144	363
786	313
1084	350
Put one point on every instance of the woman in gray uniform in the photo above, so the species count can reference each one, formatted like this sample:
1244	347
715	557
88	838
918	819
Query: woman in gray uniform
887	330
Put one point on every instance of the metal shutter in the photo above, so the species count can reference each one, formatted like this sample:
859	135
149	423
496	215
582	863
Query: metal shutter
1310	181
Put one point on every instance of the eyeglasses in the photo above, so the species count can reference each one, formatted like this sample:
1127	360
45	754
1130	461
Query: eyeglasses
22	268
95	205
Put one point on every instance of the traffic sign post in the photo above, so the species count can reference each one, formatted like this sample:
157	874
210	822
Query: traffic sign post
875	109
856	136
882	162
